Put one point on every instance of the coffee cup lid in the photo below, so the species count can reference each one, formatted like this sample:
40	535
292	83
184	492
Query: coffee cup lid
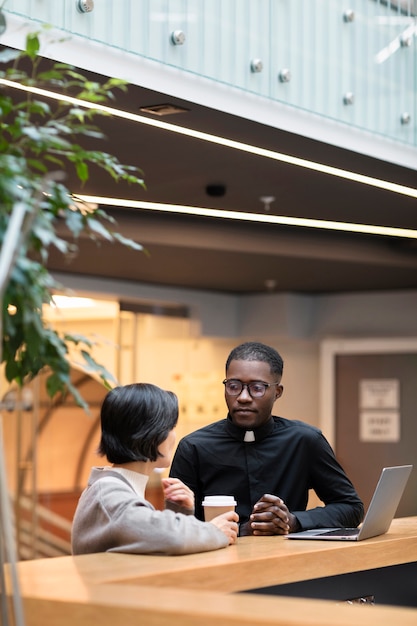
219	501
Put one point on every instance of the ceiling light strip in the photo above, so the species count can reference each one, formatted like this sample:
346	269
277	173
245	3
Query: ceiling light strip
367	229
236	145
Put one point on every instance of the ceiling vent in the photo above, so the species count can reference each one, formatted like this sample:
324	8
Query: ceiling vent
163	109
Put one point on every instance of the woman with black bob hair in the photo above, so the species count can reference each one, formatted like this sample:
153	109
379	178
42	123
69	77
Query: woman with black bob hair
135	420
138	436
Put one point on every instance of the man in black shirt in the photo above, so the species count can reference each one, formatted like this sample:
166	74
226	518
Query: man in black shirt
267	463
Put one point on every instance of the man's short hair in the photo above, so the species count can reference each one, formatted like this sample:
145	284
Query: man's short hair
256	351
135	420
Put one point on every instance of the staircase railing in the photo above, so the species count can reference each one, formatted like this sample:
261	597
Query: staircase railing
42	533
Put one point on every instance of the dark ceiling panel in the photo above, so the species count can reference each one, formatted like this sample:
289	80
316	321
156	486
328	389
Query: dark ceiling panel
243	258
240	257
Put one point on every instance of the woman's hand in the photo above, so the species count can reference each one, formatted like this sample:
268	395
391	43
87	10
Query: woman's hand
228	524
176	491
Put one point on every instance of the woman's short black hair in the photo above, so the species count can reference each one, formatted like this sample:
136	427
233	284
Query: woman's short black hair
135	420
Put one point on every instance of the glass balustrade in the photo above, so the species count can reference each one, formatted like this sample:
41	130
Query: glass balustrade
353	62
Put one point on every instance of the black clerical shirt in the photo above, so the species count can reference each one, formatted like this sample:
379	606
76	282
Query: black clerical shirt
286	459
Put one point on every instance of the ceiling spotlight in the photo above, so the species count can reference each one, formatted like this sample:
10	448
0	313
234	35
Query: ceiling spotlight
267	201
270	284
217	190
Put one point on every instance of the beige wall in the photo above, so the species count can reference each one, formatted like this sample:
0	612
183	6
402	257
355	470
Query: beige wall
188	356
194	369
160	350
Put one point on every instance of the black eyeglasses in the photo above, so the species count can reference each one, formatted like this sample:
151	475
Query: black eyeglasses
256	389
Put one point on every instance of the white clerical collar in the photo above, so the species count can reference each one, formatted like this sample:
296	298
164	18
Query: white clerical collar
249	436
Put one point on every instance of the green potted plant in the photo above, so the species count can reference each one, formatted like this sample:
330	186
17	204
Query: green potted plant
39	140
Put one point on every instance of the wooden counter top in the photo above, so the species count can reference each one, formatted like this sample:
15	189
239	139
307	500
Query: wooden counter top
122	588
252	563
115	605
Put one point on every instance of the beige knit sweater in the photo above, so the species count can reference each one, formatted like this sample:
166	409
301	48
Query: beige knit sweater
112	517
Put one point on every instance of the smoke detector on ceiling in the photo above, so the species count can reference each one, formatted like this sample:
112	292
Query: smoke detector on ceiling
267	201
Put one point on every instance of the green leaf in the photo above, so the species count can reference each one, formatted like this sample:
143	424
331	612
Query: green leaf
79	338
92	364
33	133
129	242
42	108
82	170
78	398
32	45
53	159
8	55
37	165
98	228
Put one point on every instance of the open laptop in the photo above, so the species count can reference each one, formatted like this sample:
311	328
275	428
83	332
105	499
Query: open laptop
379	516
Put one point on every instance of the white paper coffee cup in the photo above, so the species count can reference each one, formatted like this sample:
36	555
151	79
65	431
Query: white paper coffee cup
216	505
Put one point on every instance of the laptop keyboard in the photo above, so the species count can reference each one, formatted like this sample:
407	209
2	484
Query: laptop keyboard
341	532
